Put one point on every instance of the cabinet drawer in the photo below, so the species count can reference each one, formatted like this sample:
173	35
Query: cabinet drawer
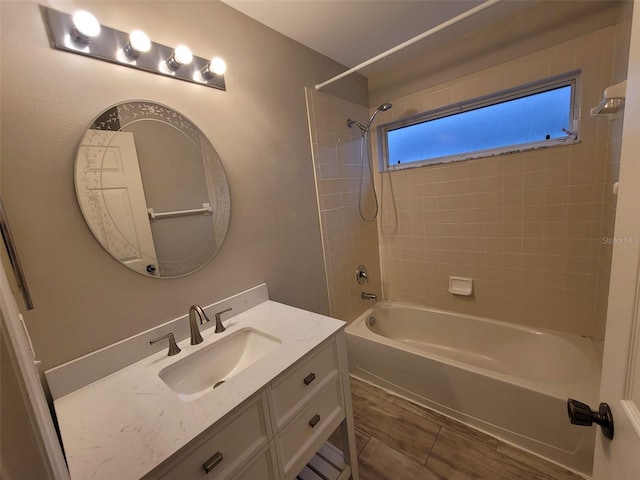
231	446
299	385
307	431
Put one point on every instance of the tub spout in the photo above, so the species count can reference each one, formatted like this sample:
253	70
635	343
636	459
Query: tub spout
369	296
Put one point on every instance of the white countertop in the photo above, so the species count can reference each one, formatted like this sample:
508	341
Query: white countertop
125	424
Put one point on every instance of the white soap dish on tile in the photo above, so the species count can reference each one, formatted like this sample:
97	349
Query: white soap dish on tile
461	286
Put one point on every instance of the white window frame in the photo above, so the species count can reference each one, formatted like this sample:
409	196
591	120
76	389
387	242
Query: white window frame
567	79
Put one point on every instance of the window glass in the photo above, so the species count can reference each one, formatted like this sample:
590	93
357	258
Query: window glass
486	127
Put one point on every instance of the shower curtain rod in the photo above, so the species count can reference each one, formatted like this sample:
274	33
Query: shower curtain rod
411	41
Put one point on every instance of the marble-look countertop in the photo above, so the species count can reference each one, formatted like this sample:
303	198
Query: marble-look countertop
125	424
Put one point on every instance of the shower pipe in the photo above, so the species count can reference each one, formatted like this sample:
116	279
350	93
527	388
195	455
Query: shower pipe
364	130
411	41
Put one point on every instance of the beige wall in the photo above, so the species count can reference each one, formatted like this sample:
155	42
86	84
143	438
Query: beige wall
527	227
84	299
348	241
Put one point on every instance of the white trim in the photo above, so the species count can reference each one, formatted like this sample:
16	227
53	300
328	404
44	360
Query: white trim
629	403
493	152
633	415
22	359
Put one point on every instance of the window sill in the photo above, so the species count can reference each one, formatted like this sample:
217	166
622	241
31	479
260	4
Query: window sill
482	154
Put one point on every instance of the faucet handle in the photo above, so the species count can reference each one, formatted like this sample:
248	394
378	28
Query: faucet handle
173	346
219	327
361	275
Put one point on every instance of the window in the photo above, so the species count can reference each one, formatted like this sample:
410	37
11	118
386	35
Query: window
532	116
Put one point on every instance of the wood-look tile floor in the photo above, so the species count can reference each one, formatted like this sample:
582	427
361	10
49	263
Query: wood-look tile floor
399	440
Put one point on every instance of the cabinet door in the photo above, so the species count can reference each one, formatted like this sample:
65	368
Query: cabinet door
261	468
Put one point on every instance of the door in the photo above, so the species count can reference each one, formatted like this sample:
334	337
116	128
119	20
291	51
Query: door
38	442
619	459
111	195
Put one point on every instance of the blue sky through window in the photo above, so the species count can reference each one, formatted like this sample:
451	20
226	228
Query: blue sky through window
528	119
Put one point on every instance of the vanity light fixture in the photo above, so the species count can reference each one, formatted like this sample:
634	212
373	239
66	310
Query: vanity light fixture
85	27
138	44
216	66
82	34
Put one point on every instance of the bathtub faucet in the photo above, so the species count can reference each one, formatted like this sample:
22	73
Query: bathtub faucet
369	296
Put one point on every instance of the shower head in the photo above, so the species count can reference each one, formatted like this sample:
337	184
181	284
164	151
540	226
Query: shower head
382	108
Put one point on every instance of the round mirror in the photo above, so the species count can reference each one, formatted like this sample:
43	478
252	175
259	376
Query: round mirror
152	189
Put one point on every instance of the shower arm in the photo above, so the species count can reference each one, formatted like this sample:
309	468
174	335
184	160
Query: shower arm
351	123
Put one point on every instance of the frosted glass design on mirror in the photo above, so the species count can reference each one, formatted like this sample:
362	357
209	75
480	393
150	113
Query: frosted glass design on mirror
152	189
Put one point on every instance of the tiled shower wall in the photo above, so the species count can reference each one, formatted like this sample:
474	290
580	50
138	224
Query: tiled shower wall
526	227
347	240
612	172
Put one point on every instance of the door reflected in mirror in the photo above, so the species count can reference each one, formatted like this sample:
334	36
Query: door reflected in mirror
152	189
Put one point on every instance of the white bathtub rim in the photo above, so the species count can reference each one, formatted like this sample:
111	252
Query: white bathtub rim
516	326
587	389
461	417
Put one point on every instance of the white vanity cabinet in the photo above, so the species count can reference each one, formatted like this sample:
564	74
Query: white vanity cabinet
276	432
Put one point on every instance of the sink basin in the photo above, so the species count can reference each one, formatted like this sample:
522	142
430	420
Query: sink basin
209	367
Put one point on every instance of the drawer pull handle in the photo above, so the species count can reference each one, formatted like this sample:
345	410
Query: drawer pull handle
213	462
314	421
309	378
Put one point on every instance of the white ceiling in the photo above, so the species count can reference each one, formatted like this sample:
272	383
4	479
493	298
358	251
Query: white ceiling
352	31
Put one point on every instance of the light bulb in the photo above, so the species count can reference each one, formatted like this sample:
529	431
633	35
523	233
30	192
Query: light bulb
138	43
181	56
85	26
216	66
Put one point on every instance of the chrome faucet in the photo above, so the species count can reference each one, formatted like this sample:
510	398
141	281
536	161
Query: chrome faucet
369	296
196	338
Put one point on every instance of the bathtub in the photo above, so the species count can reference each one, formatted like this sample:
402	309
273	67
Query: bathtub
506	380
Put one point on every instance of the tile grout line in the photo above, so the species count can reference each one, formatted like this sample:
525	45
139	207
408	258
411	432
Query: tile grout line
365	444
432	445
440	426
